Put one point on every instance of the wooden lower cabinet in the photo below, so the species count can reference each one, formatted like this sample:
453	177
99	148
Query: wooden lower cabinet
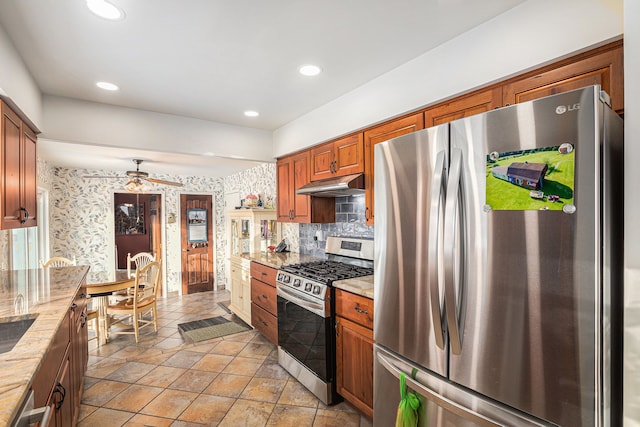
264	305
79	349
62	399
265	322
354	355
60	379
354	350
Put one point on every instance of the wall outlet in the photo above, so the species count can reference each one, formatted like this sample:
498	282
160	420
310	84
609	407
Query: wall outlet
319	235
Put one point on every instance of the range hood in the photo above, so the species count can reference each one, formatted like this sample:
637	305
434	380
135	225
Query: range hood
348	185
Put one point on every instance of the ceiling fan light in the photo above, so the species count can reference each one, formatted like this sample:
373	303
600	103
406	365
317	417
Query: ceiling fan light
134	186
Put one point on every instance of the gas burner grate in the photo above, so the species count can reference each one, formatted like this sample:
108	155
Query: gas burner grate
327	271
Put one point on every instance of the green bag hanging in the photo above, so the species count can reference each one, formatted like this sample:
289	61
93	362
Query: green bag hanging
408	407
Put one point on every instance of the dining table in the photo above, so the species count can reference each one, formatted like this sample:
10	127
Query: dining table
100	286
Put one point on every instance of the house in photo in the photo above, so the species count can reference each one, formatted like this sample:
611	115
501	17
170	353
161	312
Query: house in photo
529	175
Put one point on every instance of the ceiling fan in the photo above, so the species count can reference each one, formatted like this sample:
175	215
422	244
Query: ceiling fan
137	178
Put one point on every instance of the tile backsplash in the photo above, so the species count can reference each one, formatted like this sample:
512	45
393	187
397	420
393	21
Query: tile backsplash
350	221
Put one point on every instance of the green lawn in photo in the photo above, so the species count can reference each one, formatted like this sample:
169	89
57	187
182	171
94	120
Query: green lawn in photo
502	195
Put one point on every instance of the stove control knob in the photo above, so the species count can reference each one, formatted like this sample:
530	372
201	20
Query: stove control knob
286	278
308	287
297	282
279	277
316	290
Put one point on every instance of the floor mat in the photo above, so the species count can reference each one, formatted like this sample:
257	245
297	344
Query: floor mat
205	329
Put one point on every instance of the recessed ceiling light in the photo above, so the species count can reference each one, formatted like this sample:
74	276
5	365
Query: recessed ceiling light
250	113
210	154
107	86
105	10
310	70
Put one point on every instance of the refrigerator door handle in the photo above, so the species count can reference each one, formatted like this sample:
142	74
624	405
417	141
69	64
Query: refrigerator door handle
449	405
452	215
435	243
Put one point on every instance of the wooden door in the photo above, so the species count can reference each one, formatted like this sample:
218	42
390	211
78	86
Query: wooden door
373	136
197	242
132	226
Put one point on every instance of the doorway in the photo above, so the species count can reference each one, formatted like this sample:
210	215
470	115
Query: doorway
137	226
197	242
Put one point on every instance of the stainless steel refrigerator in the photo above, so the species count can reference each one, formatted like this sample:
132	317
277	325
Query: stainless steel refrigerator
498	251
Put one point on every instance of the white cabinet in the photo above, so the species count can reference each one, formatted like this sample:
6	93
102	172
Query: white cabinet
241	289
250	231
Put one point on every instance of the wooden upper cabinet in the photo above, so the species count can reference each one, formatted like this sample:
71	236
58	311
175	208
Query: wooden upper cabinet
375	135
284	185
603	66
292	172
344	156
18	175
465	106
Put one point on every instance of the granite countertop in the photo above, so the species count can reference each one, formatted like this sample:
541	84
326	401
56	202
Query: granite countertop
360	285
45	294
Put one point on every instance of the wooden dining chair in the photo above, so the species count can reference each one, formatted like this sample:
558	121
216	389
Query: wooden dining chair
59	261
140	260
130	312
92	316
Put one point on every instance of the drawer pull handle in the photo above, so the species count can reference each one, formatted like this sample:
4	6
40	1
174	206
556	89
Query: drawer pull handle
59	389
264	296
359	310
264	323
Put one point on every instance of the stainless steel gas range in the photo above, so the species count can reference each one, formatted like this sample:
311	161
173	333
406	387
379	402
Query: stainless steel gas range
306	313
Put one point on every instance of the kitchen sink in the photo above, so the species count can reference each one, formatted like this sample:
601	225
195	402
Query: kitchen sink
12	331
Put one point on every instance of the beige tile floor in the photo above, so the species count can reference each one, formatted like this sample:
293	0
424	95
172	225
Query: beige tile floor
229	381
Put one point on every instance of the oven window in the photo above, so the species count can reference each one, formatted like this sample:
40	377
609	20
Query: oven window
307	337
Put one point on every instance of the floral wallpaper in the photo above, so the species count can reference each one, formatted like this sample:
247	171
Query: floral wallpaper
81	222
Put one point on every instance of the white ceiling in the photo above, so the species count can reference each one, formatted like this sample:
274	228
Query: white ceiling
214	59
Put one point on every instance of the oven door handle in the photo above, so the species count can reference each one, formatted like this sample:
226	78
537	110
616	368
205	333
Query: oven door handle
304	302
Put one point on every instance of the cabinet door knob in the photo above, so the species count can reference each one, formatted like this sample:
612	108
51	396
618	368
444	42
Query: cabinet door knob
24	217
